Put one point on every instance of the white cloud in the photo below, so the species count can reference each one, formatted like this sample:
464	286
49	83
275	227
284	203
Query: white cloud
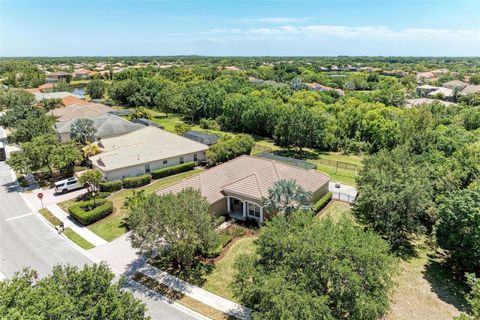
274	20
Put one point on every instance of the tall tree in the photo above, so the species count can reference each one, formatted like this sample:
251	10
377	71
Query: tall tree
458	228
305	268
96	89
92	179
33	126
394	195
286	196
44	152
68	293
82	130
178	226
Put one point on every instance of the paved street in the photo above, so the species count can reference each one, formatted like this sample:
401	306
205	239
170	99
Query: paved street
26	240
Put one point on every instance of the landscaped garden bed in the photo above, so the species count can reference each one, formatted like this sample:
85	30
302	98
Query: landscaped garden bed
88	212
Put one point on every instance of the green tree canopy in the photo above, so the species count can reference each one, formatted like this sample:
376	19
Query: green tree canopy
179	226
96	89
68	293
458	228
315	269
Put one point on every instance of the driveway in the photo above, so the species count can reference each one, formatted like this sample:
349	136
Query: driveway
50	197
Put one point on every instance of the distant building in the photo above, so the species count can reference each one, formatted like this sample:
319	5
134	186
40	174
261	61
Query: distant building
319	87
83	111
410	103
443	93
455	85
423	91
471	89
57	76
82	74
54	95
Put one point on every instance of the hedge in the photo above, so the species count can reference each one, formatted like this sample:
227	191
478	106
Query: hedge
323	201
135	182
165	172
103	209
111	186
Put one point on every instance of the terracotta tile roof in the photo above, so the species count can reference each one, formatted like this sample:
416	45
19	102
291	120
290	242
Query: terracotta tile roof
78	111
248	176
69	100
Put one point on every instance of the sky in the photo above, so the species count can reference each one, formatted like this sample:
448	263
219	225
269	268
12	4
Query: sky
240	28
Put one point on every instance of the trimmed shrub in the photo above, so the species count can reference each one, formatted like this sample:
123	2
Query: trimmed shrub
323	201
111	186
135	182
88	196
86	214
230	148
165	172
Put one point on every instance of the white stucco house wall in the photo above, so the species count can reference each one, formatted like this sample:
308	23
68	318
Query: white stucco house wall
143	151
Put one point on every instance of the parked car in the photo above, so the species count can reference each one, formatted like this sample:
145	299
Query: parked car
67	185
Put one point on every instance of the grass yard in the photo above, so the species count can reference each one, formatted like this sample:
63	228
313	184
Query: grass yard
426	290
219	280
79	240
113	226
335	209
49	216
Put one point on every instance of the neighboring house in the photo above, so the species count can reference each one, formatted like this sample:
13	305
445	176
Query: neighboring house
471	89
69	100
444	93
80	111
82	74
320	87
57	76
455	84
238	187
144	150
47	87
423	76
201	137
106	126
424	90
410	103
54	95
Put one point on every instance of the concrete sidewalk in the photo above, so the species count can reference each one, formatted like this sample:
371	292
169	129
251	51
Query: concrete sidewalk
199	294
69	222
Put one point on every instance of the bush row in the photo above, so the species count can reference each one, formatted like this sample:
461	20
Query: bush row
323	201
165	172
88	212
139	181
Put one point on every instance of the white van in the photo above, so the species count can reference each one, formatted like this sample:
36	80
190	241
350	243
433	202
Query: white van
67	185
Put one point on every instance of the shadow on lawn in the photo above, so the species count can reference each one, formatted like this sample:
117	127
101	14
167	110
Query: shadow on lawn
446	286
194	274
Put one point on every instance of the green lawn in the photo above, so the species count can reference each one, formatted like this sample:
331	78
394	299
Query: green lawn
75	237
219	280
113	226
49	216
335	209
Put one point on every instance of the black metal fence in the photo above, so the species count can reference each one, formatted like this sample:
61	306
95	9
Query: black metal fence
292	161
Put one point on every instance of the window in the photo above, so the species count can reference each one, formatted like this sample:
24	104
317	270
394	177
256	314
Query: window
147	168
253	211
195	157
181	160
69	183
165	161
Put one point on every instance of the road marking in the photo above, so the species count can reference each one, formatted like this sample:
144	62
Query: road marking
21	216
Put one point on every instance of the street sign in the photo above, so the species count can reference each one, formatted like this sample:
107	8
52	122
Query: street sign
40	195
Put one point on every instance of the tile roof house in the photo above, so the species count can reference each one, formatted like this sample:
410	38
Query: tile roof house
238	186
106	126
78	111
471	89
417	102
54	95
144	150
69	100
320	87
455	84
445	93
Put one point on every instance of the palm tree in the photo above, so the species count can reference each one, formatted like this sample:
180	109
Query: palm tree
285	197
91	149
83	131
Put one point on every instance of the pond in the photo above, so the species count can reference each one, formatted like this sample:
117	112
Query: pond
78	91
